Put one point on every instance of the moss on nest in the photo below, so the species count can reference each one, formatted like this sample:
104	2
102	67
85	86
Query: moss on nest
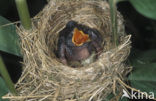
45	78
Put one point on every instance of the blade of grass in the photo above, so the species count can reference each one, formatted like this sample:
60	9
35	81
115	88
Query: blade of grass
23	13
6	77
113	14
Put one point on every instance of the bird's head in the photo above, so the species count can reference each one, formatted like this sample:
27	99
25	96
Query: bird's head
79	37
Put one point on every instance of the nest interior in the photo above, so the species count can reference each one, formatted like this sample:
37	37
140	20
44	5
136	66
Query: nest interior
45	78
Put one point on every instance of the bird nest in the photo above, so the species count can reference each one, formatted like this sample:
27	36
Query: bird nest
45	78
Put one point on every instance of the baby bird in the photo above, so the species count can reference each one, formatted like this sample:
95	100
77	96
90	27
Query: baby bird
77	42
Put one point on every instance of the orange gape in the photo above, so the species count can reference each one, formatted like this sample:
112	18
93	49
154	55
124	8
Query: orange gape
79	37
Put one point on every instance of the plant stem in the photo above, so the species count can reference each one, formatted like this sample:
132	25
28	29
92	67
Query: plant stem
113	14
6	77
23	13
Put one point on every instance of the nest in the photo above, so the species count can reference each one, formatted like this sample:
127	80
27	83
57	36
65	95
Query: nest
45	78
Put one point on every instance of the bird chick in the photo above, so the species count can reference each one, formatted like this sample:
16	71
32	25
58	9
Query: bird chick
77	42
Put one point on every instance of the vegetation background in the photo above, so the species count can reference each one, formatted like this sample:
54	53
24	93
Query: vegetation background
140	21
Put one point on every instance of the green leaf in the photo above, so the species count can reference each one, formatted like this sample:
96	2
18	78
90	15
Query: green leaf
124	99
3	89
145	57
109	97
145	7
9	40
143	77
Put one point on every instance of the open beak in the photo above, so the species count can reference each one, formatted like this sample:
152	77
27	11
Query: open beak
79	37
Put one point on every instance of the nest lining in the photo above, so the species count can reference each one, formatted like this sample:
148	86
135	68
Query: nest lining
47	79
